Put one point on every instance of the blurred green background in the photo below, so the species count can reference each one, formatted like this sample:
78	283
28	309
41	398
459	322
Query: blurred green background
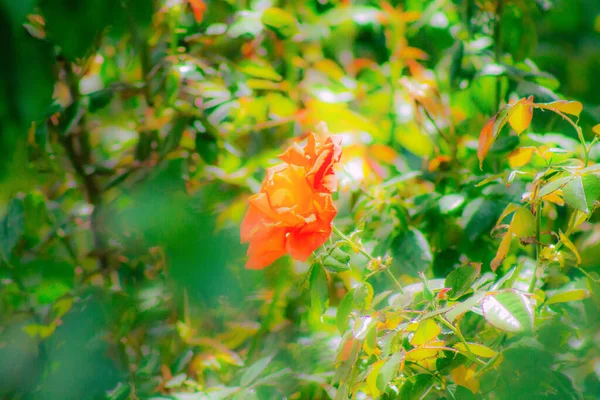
133	131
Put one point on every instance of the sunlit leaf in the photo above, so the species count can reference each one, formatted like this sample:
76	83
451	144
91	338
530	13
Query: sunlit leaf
509	311
372	378
565	297
450	203
521	115
567	242
363	295
259	69
563	106
523	223
279	21
492	128
521	156
477	349
426	331
502	251
465	376
554	185
430	350
361	327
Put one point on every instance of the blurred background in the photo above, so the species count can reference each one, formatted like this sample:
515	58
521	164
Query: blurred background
133	132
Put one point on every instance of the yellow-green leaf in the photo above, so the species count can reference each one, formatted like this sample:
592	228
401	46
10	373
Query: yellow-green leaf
279	21
477	349
520	156
521	115
372	378
564	297
522	223
503	250
426	331
567	242
564	106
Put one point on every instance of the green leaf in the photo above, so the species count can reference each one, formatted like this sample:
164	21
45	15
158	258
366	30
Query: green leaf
574	194
260	69
509	311
343	312
464	306
460	280
523	223
17	10
35	212
415	386
363	295
569	295
554	185
279	21
206	141
11	228
318	289
336	261
389	370
75	26
591	186
253	371
450	203
51	290
479	216
462	393
362	327
411	252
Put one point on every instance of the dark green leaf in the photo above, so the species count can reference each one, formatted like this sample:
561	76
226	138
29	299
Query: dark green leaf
411	252
460	280
11	228
415	386
75	26
318	289
343	312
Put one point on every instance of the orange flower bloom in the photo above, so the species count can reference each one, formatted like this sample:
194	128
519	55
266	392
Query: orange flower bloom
293	211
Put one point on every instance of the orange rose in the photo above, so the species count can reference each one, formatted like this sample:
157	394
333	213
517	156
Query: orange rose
293	211
318	161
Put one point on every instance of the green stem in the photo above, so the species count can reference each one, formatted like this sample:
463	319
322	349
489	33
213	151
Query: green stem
395	281
538	245
498	50
361	250
350	242
472	356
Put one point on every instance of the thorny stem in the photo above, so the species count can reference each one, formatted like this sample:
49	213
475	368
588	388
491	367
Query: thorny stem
362	250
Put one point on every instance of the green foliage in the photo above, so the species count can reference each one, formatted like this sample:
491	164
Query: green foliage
463	260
